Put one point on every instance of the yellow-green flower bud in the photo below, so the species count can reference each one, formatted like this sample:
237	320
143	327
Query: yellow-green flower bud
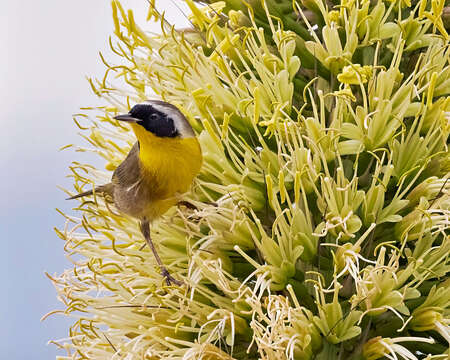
347	250
238	19
424	319
355	74
373	349
334	16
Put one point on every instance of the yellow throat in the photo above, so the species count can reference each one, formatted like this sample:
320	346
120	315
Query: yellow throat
168	164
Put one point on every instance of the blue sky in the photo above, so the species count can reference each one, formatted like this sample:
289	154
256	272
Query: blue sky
48	47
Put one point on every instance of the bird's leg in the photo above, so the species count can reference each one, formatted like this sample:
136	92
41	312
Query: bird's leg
145	229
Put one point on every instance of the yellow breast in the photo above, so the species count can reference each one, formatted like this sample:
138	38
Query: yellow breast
168	167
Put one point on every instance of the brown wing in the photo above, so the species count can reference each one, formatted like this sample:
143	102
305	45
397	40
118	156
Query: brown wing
130	193
128	172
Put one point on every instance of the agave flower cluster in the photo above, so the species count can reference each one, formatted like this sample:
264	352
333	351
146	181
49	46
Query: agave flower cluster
320	227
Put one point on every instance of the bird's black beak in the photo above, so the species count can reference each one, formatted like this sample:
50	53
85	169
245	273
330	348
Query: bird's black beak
126	117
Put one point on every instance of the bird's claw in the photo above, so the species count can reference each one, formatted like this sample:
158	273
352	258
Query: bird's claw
169	278
187	204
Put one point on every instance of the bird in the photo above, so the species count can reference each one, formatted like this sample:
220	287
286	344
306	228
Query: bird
158	169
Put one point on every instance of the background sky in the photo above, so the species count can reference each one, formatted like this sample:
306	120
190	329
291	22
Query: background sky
48	47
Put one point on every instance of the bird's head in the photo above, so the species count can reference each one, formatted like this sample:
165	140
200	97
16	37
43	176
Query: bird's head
159	118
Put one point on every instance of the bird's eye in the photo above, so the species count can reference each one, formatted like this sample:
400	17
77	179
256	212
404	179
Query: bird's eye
154	117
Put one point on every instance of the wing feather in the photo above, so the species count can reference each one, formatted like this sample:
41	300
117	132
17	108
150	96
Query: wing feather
128	172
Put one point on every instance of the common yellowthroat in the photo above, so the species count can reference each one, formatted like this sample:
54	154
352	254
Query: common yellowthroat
159	167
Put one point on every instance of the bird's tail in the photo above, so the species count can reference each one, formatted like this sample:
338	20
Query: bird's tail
102	189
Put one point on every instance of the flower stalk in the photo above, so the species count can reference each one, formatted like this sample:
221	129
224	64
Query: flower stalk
319	220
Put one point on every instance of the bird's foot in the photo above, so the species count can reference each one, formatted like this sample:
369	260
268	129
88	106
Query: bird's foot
187	204
169	278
